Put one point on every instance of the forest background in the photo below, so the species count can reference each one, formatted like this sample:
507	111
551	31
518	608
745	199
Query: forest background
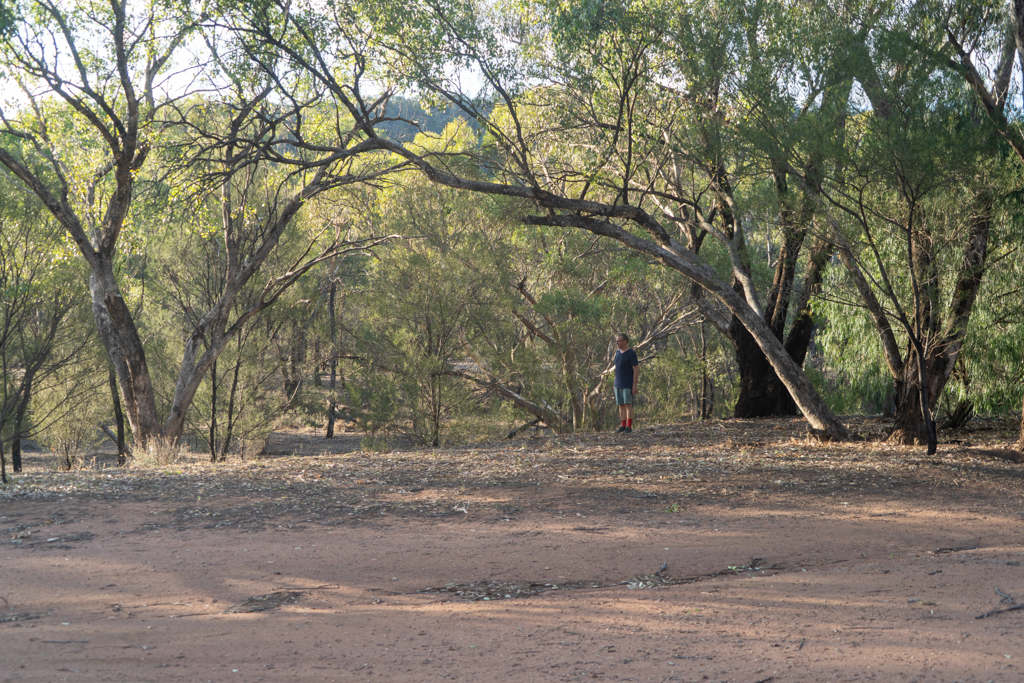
430	220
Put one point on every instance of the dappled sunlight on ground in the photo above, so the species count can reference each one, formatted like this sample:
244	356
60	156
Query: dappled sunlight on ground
703	554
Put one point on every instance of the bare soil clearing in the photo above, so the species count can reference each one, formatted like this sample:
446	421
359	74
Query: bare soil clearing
724	551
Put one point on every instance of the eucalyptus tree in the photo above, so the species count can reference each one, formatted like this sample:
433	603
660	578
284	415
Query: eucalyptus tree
984	42
667	158
703	120
79	132
106	86
477	301
914	209
249	165
917	256
436	46
38	305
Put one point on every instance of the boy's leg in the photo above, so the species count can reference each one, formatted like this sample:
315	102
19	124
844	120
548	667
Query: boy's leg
622	411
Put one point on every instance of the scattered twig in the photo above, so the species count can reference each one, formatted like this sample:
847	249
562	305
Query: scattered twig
520	428
70	538
765	680
999	611
868	628
49	540
1008	599
942	551
18	616
494	590
62	642
6	603
802	641
262	603
819	563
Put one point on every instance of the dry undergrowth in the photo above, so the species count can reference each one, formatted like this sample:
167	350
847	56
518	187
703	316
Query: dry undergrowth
663	468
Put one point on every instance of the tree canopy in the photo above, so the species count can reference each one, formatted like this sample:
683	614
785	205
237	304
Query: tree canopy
433	216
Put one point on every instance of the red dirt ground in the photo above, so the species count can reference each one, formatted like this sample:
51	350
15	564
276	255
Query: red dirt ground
730	551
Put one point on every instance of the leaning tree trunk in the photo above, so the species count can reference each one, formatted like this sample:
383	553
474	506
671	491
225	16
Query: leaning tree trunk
762	394
124	346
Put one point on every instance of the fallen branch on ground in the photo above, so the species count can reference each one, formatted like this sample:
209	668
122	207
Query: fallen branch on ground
999	611
522	427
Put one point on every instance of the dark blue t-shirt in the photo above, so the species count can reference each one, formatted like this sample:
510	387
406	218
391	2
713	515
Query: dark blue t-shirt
625	361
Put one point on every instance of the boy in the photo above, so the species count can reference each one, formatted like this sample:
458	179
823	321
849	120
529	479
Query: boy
627	372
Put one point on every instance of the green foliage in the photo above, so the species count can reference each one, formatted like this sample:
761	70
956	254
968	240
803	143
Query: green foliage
415	319
650	103
673	381
375	402
8	17
68	408
992	374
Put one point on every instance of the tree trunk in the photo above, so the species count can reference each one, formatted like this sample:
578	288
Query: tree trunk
213	412
333	317
296	357
1020	441
226	442
16	448
118	418
330	420
911	427
436	412
190	376
124	346
19	418
576	399
705	411
552	419
3	461
762	394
